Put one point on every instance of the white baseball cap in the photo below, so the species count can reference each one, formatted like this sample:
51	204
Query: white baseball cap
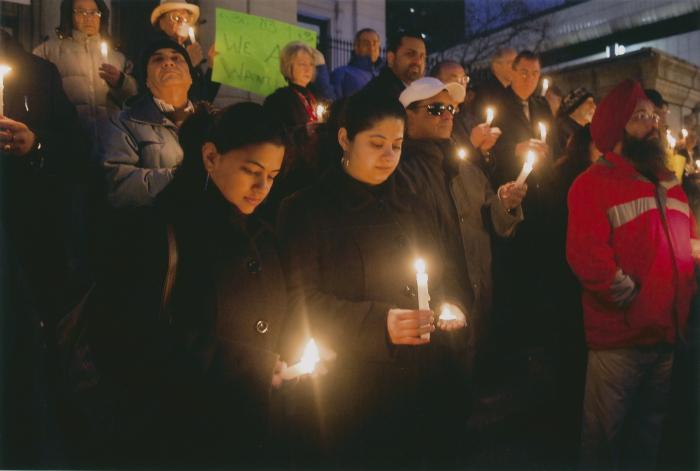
428	87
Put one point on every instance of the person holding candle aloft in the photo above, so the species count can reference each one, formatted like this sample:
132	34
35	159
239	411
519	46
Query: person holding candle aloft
205	365
42	154
96	85
351	242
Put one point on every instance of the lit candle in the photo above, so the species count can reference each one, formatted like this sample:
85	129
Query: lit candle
684	133
320	111
306	365
190	31
697	163
670	139
446	314
4	70
423	295
543	131
462	153
104	51
545	86
527	168
489	116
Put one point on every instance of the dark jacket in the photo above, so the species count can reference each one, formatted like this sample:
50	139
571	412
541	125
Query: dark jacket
37	282
386	84
350	251
565	127
351	78
288	107
470	209
193	383
489	92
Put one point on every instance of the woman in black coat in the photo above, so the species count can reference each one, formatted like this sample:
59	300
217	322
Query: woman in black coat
351	241
191	380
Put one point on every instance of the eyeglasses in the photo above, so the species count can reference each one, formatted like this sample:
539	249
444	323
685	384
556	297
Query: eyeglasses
86	13
463	80
644	116
436	109
179	18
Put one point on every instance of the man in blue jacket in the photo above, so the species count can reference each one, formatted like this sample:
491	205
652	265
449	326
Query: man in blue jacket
364	64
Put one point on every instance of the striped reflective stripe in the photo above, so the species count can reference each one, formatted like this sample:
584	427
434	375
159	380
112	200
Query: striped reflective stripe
623	213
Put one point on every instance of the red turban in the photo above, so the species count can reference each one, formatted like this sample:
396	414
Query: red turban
613	113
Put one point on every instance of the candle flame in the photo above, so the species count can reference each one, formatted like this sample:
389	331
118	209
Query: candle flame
671	140
462	153
191	33
697	163
489	115
543	131
446	314
420	266
103	49
320	109
545	84
4	70
310	358
684	133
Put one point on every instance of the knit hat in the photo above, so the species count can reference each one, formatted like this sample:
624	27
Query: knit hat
613	113
162	43
573	100
170	5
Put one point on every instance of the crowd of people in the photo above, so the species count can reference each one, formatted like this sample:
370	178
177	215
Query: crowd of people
335	277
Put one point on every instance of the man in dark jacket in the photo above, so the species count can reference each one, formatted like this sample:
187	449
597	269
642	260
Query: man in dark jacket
405	62
521	295
575	112
364	64
43	154
459	191
490	90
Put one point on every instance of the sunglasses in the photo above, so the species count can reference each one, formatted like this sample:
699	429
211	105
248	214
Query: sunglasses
436	109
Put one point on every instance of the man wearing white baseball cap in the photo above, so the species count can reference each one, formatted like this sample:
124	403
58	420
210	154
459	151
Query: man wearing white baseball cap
460	193
177	19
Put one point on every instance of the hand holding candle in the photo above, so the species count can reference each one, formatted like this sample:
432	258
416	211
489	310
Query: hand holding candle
527	168
306	365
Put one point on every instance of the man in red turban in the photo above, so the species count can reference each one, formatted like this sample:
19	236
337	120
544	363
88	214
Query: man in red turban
629	242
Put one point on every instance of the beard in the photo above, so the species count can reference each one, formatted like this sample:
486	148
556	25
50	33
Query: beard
646	154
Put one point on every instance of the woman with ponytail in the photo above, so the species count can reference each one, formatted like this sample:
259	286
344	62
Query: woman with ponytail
193	374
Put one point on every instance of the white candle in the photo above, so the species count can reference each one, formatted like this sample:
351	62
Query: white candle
190	31
543	131
423	295
446	314
489	116
104	51
527	168
320	111
4	70
684	133
306	365
545	86
697	164
670	139
462	153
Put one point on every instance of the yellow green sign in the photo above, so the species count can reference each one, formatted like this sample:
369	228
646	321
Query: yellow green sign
249	48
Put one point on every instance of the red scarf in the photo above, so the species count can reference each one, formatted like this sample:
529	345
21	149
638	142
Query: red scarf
309	103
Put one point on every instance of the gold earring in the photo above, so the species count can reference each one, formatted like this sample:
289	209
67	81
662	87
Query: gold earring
345	161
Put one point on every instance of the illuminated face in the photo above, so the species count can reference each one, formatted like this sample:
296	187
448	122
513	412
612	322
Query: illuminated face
244	176
408	62
167	68
373	154
175	23
367	45
526	76
644	123
432	118
86	17
302	69
584	113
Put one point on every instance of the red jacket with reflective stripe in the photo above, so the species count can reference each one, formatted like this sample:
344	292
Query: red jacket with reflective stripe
615	224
